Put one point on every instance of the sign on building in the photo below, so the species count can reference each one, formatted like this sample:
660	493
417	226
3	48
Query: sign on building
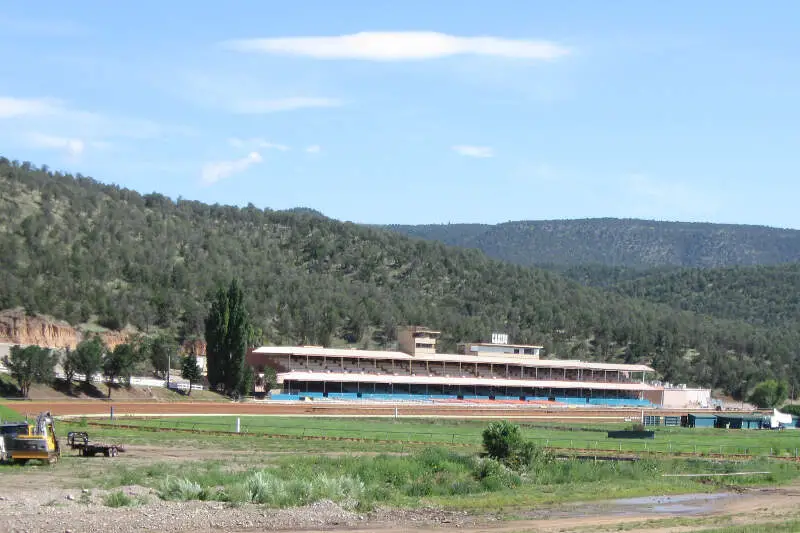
499	338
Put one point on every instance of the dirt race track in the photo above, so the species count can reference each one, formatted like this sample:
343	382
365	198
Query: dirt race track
145	408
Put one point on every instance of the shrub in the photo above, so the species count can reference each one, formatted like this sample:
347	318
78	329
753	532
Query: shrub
494	475
267	489
504	441
117	499
180	489
500	439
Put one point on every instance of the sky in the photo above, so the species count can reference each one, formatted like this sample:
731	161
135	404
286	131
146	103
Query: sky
418	111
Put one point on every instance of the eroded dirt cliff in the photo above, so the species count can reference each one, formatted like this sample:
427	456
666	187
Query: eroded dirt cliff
17	327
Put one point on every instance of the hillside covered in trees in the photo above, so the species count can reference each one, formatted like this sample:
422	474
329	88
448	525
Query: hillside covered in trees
619	242
74	248
768	295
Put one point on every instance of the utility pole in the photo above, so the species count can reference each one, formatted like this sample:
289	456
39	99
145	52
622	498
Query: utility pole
169	366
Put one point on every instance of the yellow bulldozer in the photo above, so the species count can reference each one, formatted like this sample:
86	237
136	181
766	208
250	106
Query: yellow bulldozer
23	441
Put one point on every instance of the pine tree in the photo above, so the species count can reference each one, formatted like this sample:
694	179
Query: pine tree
190	371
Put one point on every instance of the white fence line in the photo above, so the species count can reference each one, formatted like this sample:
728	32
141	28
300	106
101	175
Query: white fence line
135	380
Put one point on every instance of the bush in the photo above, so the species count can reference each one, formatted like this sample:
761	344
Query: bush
494	475
180	489
267	489
501	439
117	499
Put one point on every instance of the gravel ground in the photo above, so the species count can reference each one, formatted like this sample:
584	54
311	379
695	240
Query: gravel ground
77	511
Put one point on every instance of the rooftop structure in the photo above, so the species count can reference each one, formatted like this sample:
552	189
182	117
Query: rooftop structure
499	346
415	340
419	372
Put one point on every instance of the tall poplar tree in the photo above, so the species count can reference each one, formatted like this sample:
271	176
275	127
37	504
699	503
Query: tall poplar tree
227	329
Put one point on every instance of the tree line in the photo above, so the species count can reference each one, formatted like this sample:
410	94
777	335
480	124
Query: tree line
32	364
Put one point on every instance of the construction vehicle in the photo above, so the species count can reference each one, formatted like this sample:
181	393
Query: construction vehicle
25	441
9	430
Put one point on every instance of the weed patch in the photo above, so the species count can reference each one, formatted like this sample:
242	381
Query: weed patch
118	499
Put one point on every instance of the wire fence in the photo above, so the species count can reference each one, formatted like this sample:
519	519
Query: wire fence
241	426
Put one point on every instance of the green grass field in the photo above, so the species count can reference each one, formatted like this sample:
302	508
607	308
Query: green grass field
468	433
7	413
281	471
422	477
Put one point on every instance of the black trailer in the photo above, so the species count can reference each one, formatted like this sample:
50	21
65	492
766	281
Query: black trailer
79	440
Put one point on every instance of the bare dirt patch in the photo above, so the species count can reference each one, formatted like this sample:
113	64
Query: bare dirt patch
33	500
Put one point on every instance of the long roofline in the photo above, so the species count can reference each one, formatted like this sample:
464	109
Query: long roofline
354	377
448	358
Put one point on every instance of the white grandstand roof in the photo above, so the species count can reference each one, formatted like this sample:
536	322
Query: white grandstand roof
457	380
314	351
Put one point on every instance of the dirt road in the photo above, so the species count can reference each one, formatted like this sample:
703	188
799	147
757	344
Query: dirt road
142	408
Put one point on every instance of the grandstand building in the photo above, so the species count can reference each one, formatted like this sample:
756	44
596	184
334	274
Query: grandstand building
480	371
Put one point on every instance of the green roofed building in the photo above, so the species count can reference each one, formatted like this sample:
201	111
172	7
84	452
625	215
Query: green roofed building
740	421
702	421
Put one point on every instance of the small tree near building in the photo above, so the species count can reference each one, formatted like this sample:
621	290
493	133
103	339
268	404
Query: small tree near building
30	365
247	382
769	394
191	371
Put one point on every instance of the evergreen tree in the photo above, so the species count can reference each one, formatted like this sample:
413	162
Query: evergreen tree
191	371
227	333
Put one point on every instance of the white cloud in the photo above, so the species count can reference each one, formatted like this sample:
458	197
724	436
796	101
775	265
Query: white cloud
474	151
260	106
11	107
73	147
218	170
257	143
313	149
399	46
69	129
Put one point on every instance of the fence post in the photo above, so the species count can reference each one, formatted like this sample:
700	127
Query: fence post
238	422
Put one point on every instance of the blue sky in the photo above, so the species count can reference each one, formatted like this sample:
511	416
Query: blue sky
417	111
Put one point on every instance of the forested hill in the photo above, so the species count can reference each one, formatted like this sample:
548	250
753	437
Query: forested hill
767	295
74	248
619	242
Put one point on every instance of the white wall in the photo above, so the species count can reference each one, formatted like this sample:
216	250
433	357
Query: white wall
687	398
